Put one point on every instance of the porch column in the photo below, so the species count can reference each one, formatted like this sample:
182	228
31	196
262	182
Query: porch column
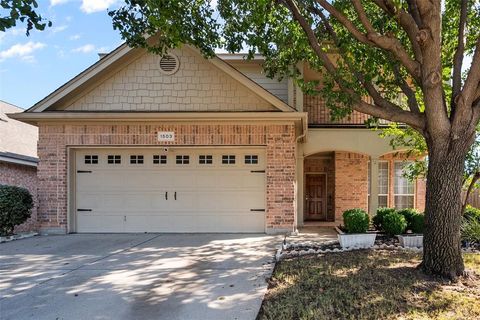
300	185
373	206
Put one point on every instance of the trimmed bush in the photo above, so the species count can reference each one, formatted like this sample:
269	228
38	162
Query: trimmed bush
472	213
15	208
394	223
417	223
356	221
378	217
408	214
470	230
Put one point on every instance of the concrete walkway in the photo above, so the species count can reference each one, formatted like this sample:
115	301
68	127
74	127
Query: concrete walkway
313	234
135	276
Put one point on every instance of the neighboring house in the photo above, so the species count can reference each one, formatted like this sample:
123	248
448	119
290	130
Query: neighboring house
139	143
18	157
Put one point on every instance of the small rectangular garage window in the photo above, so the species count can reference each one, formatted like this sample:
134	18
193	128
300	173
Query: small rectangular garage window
136	159
91	159
205	159
251	159
228	159
182	159
159	159
114	159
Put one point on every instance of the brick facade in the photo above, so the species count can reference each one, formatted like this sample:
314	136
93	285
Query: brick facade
351	182
280	163
347	181
25	177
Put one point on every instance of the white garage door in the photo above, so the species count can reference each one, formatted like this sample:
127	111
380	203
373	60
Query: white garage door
178	190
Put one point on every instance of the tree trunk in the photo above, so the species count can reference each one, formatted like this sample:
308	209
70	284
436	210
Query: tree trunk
443	209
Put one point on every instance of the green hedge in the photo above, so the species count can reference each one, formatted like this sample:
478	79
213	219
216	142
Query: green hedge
378	217
417	223
394	224
15	208
356	221
408	214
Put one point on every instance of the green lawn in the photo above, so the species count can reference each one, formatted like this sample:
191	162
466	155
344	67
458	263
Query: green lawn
368	284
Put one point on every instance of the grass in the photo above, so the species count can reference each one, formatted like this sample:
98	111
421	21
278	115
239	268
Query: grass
368	285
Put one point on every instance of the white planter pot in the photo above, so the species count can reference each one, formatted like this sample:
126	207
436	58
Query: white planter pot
411	241
357	240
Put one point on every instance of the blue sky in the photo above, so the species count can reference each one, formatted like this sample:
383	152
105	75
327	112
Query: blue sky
32	67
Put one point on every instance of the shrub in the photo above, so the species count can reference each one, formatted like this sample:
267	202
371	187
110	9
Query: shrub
417	223
470	230
394	223
15	207
356	221
378	217
472	213
408	214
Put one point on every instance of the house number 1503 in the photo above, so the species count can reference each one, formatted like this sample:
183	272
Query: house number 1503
166	136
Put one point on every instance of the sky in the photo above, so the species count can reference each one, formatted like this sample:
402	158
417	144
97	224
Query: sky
32	67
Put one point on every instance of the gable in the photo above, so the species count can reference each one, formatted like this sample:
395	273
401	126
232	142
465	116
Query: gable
198	85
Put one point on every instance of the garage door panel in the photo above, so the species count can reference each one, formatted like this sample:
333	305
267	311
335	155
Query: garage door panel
212	197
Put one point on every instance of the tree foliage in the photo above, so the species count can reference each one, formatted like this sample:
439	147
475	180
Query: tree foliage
24	11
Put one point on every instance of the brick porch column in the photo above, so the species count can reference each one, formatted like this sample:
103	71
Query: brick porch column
373	206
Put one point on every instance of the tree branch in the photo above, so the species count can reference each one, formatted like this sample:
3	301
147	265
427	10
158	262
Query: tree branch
375	39
407	90
458	57
473	78
386	111
406	21
413	9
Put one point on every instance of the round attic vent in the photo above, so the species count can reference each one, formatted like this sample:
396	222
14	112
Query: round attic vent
169	64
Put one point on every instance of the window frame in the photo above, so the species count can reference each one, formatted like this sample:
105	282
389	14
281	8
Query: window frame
137	159
229	159
183	158
159	159
91	159
114	159
395	180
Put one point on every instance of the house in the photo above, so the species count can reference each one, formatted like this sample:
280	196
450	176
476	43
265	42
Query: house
18	157
142	143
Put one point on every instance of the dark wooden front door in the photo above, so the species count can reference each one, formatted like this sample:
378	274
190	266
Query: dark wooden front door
316	201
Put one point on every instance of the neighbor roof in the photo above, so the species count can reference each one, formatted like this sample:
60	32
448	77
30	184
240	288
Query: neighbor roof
18	140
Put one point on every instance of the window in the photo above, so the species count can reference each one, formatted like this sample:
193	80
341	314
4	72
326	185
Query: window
159	159
383	184
404	190
228	159
182	159
114	159
205	159
251	159
136	159
91	159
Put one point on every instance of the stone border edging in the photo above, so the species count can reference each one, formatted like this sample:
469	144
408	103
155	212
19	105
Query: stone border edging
18	237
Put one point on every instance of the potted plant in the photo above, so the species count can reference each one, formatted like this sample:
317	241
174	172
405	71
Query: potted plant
356	222
414	236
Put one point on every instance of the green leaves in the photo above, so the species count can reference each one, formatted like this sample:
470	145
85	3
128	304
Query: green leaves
23	11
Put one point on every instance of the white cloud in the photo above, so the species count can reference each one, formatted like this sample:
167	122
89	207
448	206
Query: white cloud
23	51
74	37
59	28
57	2
91	6
85	49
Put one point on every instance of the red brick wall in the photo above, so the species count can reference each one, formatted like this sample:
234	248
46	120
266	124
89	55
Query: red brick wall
54	139
351	182
26	177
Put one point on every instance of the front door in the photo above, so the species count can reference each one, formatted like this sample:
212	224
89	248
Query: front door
316	200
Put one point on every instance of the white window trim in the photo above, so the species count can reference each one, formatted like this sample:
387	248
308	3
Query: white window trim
414	194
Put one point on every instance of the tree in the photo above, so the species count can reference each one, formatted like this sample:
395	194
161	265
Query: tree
23	11
376	48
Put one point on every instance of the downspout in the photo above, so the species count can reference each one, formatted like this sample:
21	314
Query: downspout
297	141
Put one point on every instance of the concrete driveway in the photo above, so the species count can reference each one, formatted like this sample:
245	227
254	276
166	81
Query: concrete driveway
135	276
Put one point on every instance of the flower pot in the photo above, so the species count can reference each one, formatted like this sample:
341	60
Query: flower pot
411	240
357	240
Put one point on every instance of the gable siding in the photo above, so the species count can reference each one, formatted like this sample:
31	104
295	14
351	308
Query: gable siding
255	72
197	86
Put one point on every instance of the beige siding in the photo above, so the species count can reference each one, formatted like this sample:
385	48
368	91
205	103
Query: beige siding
254	72
197	86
